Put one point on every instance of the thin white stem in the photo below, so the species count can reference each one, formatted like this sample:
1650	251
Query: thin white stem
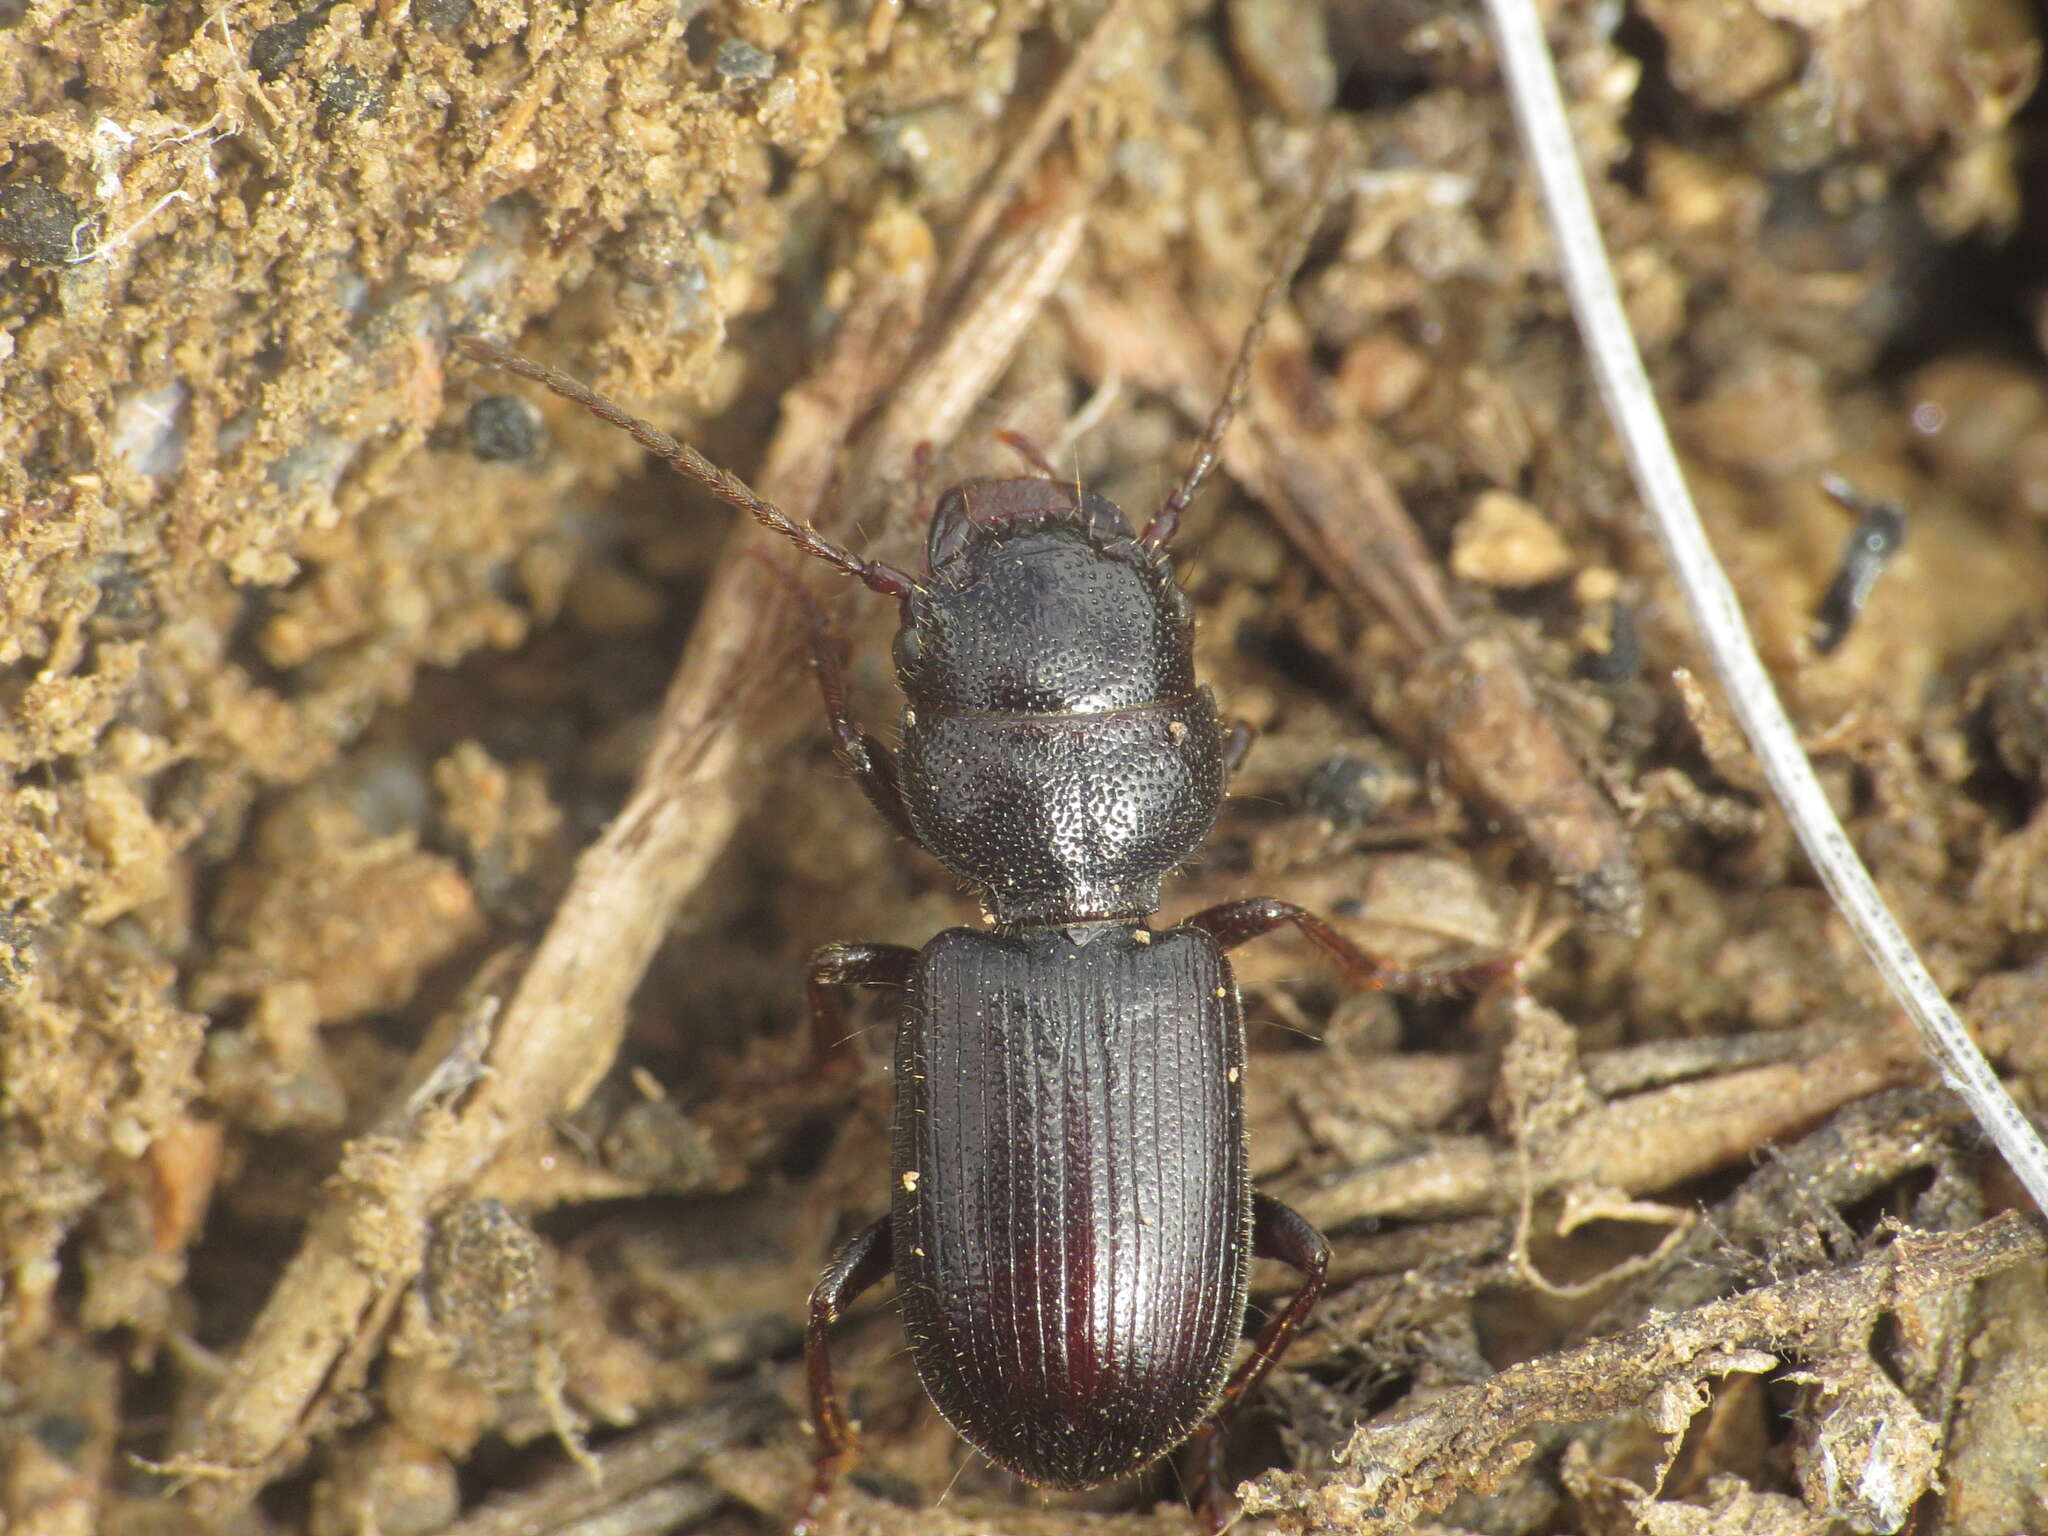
1546	136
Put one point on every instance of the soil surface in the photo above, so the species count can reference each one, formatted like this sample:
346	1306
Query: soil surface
416	813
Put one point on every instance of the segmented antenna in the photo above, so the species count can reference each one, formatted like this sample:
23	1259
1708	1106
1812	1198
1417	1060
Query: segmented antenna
687	461
1164	524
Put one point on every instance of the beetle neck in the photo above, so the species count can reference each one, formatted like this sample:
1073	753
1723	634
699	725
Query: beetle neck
1077	934
1119	905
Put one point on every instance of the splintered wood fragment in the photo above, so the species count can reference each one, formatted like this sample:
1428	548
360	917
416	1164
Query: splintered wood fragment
1387	1283
944	385
1027	150
1468	1439
1502	748
1638	1144
1467	700
1857	1152
560	1027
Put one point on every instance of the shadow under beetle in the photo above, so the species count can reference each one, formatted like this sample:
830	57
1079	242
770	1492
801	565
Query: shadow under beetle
1072	1220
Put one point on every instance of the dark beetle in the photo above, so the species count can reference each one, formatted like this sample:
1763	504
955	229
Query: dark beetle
1072	1222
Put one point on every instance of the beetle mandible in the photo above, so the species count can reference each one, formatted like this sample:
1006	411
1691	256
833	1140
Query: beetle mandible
1072	1220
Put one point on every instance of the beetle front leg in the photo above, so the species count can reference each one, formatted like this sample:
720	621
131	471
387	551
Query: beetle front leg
1236	922
872	765
1278	1232
849	965
855	1268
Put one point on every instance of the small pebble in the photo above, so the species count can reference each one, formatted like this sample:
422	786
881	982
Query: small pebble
1610	648
1504	541
442	15
1346	790
36	223
502	429
741	60
275	48
346	92
1381	375
1284	45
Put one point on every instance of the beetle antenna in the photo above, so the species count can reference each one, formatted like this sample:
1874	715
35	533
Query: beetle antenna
1161	529
1028	451
687	461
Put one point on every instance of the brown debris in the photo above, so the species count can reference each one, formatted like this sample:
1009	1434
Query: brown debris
1999	1436
1505	542
359	926
1473	1437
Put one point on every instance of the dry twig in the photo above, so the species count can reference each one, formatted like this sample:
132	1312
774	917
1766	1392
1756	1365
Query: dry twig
1644	1142
639	1466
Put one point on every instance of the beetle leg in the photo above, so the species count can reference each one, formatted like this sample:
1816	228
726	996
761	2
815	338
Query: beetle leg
855	1268
872	765
1029	452
1278	1232
849	965
1235	922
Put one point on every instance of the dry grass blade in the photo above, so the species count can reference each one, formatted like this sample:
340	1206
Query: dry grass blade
1539	110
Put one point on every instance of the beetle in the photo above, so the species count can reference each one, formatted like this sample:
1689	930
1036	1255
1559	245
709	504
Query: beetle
1072	1220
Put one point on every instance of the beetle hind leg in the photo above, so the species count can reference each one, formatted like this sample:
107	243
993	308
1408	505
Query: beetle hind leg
857	1267
1278	1232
